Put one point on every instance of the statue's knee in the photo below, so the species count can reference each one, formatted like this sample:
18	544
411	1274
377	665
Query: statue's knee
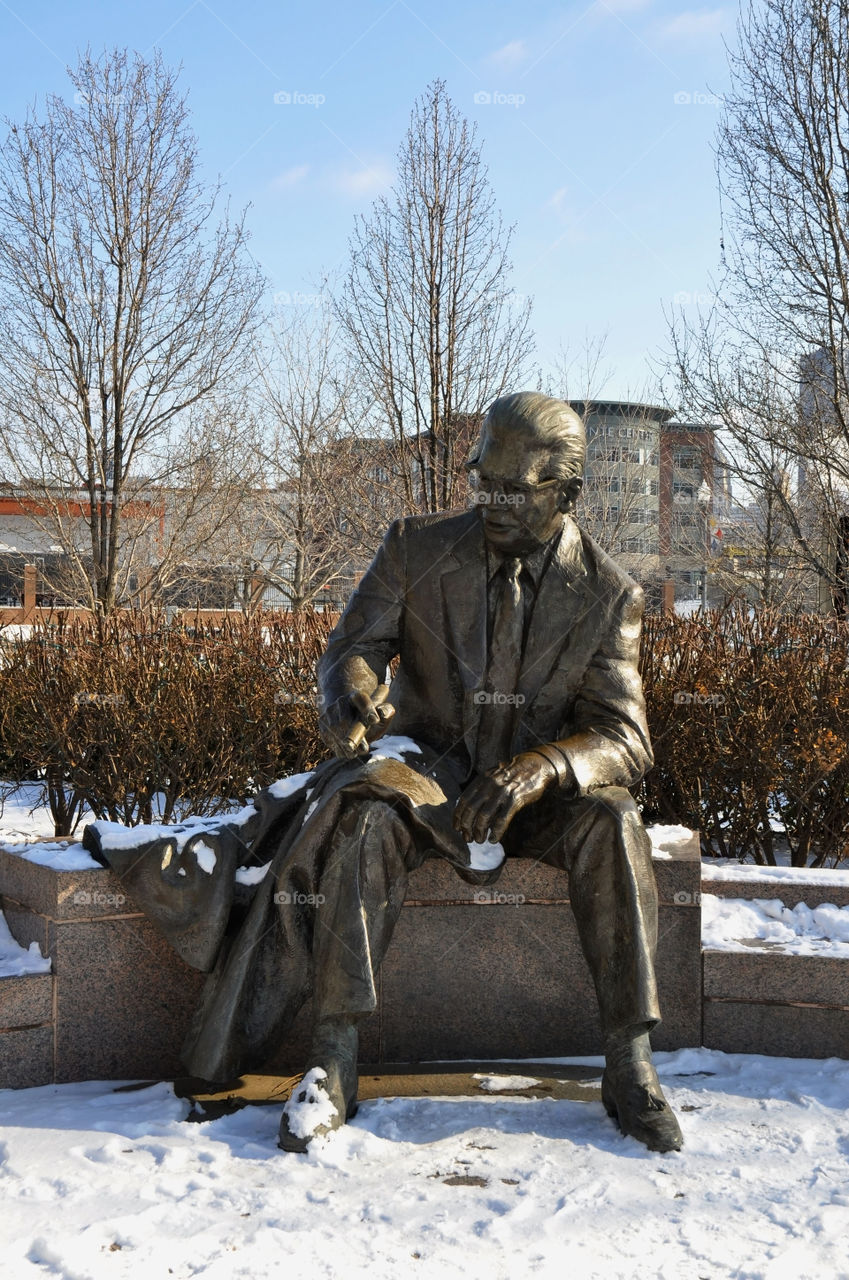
616	800
374	830
614	807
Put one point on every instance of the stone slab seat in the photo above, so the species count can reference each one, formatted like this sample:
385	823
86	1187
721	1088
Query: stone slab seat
470	974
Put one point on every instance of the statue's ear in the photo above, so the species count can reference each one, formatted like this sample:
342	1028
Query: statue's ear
570	493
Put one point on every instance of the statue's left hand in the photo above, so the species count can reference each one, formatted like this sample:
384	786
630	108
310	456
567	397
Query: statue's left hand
492	801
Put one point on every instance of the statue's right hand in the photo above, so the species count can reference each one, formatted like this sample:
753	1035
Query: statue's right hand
351	723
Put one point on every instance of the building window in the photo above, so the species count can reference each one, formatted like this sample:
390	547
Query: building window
643	545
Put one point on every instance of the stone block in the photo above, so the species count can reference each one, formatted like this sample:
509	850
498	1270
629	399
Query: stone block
26	1001
463	977
791	1031
124	1000
678	969
486	981
499	972
679	875
63	895
26	1057
774	976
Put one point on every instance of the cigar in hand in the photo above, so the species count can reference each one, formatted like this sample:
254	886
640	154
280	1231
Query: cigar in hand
360	729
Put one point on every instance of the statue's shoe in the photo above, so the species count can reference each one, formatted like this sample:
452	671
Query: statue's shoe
632	1095
317	1106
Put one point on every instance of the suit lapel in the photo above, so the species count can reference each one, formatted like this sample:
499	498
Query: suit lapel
559	605
464	603
464	608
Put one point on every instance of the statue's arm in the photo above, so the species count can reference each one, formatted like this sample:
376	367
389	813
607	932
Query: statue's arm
609	744
367	636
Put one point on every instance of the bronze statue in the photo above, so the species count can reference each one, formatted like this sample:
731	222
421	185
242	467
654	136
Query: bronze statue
517	719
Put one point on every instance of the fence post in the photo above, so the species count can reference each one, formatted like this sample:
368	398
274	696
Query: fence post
667	604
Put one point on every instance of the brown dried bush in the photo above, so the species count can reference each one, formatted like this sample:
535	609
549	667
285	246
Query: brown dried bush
134	717
749	716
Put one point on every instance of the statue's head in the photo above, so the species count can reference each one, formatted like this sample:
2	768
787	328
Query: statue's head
527	469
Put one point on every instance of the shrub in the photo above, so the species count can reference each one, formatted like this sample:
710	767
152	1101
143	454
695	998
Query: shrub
749	716
136	717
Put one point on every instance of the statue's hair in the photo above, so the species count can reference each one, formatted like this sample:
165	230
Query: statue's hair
545	423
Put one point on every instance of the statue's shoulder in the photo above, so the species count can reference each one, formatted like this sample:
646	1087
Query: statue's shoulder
440	526
604	568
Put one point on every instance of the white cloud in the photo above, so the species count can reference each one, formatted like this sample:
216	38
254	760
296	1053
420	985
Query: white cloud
560	204
290	177
509	55
557	200
695	24
369	181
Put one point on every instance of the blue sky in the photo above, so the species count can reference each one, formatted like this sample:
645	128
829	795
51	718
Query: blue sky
597	119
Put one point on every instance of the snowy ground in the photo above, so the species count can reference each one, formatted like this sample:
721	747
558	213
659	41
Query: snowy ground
97	1183
23	814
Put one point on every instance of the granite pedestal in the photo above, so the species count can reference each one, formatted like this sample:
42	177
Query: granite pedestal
760	999
471	973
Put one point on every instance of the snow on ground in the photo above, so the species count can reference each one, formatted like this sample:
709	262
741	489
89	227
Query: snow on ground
97	1183
23	814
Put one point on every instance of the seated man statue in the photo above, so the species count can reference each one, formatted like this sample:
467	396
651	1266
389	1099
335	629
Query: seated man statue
517	639
518	723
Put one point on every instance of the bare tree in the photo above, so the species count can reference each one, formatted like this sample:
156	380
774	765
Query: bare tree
581	372
315	518
124	309
426	305
768	361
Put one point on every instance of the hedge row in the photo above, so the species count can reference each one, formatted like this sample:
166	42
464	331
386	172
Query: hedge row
749	716
134	718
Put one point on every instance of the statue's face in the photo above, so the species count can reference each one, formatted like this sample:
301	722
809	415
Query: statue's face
521	506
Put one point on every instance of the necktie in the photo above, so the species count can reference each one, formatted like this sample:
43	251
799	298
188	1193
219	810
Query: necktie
498	705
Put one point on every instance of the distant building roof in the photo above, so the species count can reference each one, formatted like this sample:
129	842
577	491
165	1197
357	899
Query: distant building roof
622	409
691	426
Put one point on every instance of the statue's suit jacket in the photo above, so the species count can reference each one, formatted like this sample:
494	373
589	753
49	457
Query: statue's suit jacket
424	598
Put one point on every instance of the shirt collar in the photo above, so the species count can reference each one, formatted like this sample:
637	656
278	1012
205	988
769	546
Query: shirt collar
534	564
